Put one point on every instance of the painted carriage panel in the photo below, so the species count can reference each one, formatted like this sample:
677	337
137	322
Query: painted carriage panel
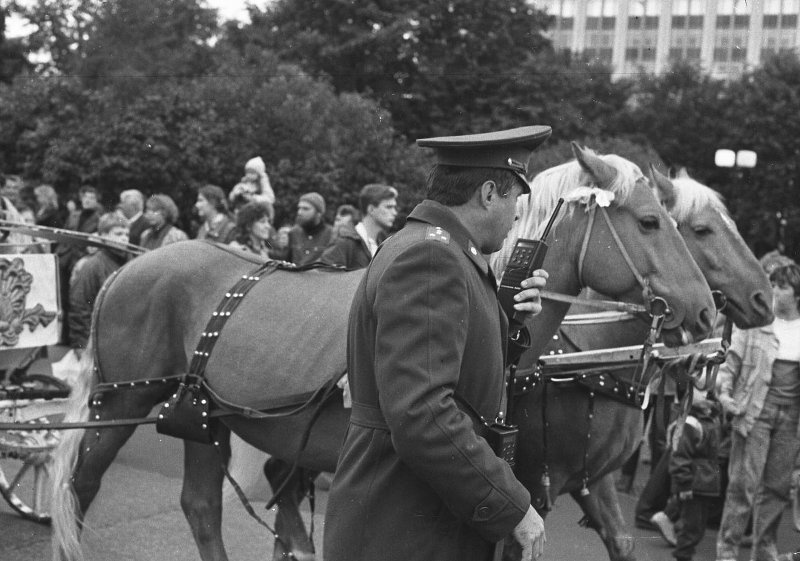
29	301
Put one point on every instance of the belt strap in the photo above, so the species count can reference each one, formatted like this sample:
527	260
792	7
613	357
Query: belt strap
368	416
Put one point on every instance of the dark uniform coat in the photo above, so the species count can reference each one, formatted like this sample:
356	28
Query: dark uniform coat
414	480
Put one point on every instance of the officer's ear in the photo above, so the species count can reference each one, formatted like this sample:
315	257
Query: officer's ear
488	193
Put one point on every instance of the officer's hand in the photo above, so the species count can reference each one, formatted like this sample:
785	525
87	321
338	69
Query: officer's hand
529	300
529	534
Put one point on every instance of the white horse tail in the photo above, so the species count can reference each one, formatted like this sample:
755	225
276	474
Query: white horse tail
64	507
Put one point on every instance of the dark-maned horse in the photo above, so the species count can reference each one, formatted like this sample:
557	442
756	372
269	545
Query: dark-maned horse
289	332
729	266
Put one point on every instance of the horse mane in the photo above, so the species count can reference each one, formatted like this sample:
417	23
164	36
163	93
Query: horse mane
552	184
692	196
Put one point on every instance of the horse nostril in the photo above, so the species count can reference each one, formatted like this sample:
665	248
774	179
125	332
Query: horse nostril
760	301
707	320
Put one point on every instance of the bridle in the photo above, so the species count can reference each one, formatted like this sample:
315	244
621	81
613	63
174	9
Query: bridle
654	303
647	291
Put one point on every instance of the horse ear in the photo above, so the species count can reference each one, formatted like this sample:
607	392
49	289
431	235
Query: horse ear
682	173
603	173
664	187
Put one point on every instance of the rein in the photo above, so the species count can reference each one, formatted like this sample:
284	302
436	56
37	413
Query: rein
648	291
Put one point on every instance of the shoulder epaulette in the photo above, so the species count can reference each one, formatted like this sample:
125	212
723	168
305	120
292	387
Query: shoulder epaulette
437	233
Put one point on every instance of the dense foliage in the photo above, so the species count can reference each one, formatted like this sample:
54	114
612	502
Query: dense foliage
160	96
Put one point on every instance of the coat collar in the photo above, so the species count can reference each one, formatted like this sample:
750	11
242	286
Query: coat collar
436	214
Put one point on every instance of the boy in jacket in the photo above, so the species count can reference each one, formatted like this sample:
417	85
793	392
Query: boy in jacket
695	473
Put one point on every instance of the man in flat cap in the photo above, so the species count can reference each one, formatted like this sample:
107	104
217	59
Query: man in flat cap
427	350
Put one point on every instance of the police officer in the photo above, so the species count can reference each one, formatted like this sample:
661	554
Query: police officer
427	348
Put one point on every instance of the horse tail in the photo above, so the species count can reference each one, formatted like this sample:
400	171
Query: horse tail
65	507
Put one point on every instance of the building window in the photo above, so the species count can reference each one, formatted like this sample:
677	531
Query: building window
779	26
686	32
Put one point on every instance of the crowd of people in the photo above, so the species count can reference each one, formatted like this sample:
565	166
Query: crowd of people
242	218
731	463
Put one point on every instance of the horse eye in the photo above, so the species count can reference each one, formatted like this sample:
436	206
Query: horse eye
649	223
701	231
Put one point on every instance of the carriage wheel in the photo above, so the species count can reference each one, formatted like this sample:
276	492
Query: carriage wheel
25	483
25	455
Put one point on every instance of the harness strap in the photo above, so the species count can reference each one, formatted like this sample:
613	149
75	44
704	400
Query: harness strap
585	244
639	278
610	305
219	317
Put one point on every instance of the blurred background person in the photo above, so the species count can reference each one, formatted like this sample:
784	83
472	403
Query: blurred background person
161	213
83	219
254	186
88	276
280	243
346	215
355	245
212	208
131	205
759	387
253	229
48	211
310	235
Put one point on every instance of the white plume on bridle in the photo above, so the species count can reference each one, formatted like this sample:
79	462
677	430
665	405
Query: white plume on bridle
568	181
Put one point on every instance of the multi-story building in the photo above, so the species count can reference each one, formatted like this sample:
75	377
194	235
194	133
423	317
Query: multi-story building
724	37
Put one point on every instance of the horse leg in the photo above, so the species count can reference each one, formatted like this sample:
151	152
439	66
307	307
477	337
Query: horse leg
289	524
604	515
201	497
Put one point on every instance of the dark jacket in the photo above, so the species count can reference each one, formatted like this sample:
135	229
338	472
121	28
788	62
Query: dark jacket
50	217
414	479
694	463
88	276
136	228
348	250
84	221
305	246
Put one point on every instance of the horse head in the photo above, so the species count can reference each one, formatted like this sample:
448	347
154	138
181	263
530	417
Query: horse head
717	247
614	237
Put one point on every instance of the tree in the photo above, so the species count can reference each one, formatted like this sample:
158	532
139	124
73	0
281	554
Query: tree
437	66
178	134
105	40
12	52
60	31
149	39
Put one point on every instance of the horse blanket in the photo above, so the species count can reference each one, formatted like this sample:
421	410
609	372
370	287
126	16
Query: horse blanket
286	339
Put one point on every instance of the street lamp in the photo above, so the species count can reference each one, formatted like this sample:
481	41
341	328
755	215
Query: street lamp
725	158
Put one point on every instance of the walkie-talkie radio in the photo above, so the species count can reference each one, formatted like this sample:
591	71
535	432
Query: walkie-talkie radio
527	256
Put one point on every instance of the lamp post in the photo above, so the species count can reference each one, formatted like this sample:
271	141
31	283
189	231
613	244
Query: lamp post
744	160
725	158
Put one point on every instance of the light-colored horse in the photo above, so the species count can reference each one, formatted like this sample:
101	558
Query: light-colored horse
599	444
150	317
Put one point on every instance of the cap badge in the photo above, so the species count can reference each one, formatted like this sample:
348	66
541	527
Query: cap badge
516	166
